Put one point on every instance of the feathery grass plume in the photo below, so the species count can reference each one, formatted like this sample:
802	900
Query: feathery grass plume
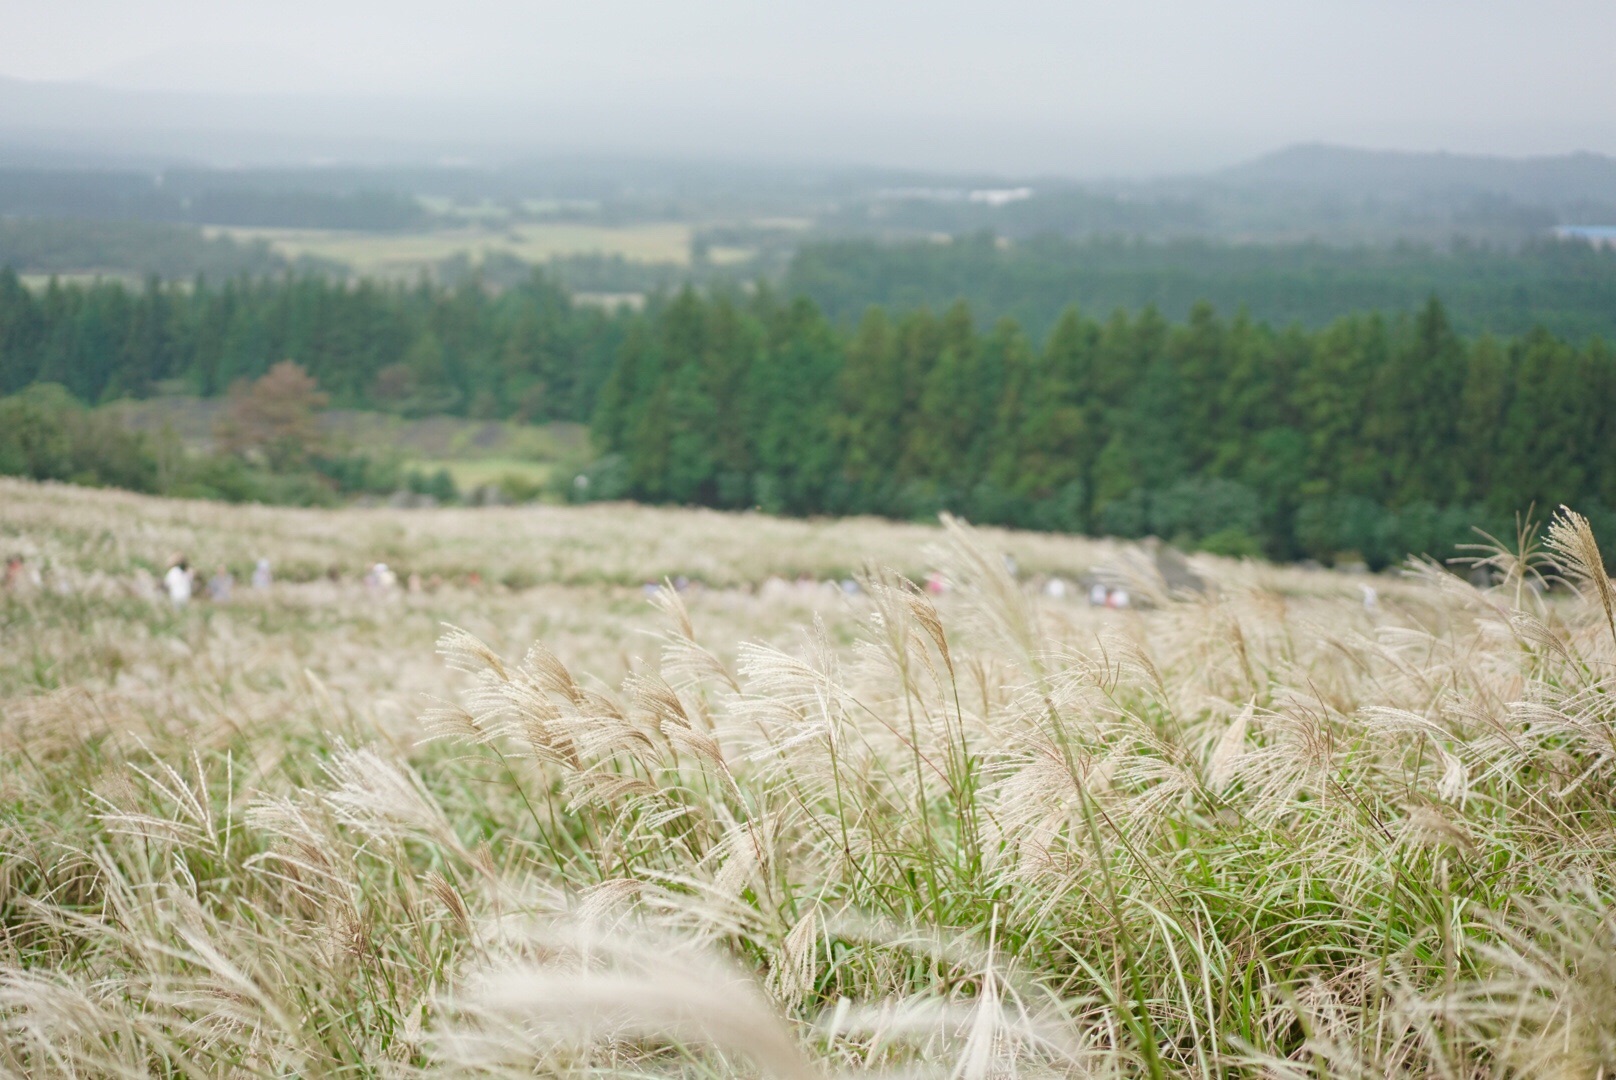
997	601
464	651
450	899
444	720
302	854
1572	539
1520	564
992	1031
1225	760
684	659
1546	1001
796	963
930	623
614	998
385	799
551	674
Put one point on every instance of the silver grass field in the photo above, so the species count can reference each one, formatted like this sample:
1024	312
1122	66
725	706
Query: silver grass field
762	828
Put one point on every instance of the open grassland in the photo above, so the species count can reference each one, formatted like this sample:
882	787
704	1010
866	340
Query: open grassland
41	282
609	544
471	475
195	420
763	828
475	452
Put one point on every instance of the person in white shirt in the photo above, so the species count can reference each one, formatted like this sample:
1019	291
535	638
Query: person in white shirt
261	576
178	582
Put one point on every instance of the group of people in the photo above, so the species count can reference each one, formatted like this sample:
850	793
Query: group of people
1100	594
382	579
182	581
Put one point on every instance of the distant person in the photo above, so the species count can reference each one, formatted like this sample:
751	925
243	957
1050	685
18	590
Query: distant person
1097	595
220	586
380	579
178	581
261	576
14	572
61	584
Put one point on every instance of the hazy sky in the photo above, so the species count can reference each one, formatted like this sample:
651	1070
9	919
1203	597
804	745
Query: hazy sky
1123	85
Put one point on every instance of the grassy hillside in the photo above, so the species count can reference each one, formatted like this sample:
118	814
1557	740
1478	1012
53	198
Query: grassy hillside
606	544
194	420
1280	828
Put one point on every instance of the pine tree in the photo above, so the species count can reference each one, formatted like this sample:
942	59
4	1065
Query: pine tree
1482	408
795	384
1416	405
733	344
1057	442
870	391
1200	366
22	330
1548	431
951	410
1332	403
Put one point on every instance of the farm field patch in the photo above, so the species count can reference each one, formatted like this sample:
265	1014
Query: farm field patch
408	253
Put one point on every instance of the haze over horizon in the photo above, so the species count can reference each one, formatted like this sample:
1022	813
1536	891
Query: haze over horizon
1018	87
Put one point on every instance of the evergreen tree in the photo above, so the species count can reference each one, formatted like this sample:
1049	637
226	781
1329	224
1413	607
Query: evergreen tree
1200	367
22	328
951	411
1332	405
1416	410
1489	380
1057	442
794	385
1547	431
870	390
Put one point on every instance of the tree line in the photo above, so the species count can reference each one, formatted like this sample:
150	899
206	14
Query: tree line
526	352
55	246
1372	435
1567	286
201	197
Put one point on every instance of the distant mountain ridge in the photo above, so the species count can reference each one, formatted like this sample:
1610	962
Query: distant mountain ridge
149	122
1559	179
